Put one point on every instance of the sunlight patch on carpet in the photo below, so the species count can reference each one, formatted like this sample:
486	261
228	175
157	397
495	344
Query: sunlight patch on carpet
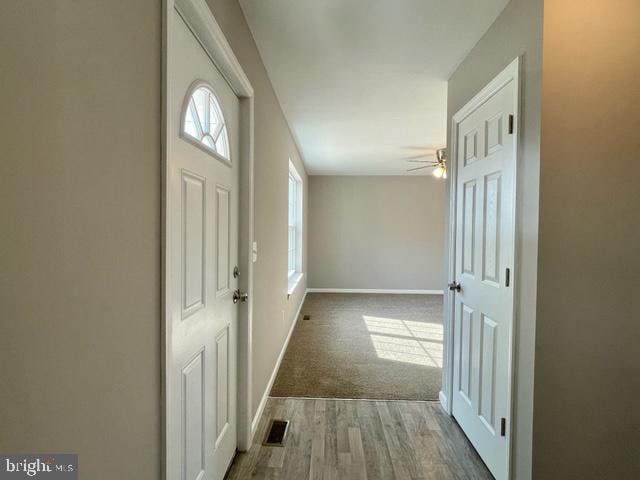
418	343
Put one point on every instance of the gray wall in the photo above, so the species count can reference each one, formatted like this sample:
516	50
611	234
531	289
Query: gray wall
80	238
517	31
376	232
274	145
80	209
586	418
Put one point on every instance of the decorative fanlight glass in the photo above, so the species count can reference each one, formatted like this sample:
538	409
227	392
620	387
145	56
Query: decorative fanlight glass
203	122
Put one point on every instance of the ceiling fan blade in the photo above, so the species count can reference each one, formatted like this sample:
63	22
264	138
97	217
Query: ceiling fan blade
413	157
422	161
424	148
417	168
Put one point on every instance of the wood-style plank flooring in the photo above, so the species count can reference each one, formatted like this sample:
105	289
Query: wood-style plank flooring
330	439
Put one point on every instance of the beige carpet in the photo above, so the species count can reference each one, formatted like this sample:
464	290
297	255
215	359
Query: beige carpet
374	346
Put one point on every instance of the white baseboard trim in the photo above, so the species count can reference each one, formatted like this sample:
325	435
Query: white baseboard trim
443	401
265	396
374	290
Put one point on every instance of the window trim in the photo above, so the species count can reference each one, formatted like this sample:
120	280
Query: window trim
191	139
294	276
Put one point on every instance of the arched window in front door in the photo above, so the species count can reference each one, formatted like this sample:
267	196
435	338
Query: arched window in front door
203	122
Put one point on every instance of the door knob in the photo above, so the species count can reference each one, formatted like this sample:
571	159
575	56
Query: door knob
454	286
239	296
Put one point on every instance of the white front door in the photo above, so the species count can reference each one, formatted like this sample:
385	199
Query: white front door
484	256
202	210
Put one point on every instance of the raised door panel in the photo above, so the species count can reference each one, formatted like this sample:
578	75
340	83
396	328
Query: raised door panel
491	229
465	363
193	419
222	383
469	228
193	242
470	147
486	404
223	218
493	134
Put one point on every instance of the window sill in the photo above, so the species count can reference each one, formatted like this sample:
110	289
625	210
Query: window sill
294	281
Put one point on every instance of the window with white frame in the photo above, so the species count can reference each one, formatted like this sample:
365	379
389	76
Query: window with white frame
294	257
203	123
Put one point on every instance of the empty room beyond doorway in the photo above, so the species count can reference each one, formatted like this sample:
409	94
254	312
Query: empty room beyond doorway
367	346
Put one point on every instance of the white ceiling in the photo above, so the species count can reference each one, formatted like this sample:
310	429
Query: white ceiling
363	83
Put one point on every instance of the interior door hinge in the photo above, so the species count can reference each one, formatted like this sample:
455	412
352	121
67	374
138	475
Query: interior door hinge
503	427
510	124
507	275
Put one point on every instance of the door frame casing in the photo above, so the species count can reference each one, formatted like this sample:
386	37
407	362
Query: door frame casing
206	30
510	74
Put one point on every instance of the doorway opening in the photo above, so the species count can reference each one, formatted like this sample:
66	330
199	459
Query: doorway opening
358	360
357	346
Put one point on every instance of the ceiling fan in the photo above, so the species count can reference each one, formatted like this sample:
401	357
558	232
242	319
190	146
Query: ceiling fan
439	165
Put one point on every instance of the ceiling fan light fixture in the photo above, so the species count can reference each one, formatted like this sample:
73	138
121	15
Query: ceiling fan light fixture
439	165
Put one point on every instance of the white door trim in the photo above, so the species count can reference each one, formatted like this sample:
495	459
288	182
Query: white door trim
510	73
203	25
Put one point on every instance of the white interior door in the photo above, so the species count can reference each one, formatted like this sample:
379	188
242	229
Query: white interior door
484	256
202	211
